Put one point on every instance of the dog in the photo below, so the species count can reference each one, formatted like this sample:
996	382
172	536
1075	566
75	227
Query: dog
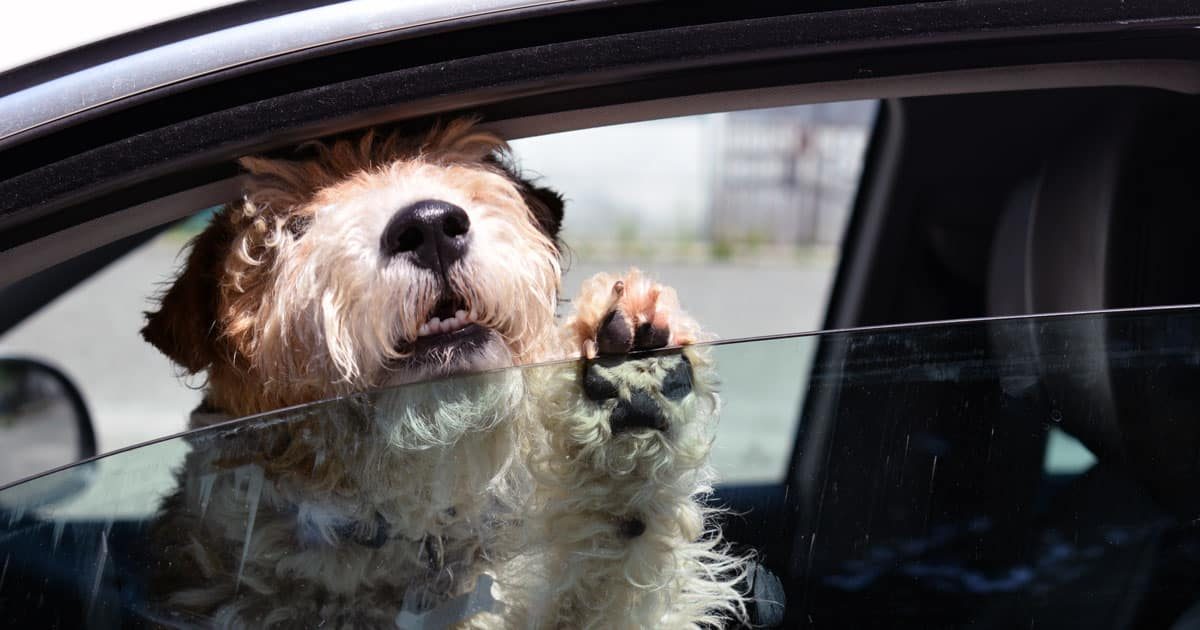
566	494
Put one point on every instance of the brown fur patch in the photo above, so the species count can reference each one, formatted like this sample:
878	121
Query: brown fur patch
184	326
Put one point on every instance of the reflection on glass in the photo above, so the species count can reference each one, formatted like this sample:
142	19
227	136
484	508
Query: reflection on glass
915	491
38	422
1065	454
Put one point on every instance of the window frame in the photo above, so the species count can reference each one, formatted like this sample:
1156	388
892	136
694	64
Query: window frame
84	173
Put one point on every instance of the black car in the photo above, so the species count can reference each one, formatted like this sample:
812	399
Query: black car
998	427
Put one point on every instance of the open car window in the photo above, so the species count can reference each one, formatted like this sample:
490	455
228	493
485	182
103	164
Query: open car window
997	473
734	207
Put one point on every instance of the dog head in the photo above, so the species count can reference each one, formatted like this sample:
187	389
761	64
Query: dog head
368	263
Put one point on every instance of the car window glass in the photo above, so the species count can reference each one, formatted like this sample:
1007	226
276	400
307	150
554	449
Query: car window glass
921	489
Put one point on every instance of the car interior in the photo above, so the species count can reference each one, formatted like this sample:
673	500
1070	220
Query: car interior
1082	205
1045	212
911	501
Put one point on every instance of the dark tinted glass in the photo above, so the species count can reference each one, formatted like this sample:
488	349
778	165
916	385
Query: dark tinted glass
1004	473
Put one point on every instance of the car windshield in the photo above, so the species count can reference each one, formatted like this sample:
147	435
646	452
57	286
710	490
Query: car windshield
1002	472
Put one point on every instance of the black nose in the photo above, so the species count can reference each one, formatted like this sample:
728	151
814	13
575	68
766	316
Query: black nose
432	233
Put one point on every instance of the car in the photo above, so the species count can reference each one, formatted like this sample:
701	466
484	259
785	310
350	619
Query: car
993	427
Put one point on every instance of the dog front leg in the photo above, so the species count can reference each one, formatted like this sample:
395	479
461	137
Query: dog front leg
624	467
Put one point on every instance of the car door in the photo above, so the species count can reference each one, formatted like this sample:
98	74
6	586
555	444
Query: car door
957	517
161	161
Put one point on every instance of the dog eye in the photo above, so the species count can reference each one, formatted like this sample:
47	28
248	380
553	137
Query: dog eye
297	225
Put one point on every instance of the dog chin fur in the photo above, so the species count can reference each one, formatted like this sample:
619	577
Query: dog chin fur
402	499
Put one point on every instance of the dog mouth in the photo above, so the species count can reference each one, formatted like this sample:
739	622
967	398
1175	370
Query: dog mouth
452	314
451	341
451	325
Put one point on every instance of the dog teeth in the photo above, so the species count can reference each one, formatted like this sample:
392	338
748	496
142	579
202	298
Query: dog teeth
436	325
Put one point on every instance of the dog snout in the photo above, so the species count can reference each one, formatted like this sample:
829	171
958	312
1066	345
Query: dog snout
433	234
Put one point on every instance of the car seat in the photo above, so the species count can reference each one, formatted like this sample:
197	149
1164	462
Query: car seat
1110	220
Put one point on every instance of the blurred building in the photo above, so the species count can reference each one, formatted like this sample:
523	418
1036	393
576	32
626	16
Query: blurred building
787	175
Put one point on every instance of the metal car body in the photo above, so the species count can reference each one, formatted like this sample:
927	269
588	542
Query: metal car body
1028	158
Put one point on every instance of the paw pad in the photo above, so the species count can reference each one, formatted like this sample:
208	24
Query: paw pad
617	335
639	411
640	388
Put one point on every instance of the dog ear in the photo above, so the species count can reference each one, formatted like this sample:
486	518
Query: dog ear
547	207
185	325
545	203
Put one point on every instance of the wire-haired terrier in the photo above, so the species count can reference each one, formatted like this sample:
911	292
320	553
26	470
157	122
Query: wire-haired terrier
553	496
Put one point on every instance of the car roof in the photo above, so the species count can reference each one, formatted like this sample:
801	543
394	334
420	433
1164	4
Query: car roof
74	179
38	32
252	42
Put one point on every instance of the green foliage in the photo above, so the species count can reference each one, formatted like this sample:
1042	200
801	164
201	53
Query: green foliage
627	234
721	249
192	225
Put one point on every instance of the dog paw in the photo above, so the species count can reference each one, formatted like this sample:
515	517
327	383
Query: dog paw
629	430
619	321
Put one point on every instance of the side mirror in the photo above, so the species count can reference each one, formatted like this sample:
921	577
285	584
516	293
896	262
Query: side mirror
44	424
